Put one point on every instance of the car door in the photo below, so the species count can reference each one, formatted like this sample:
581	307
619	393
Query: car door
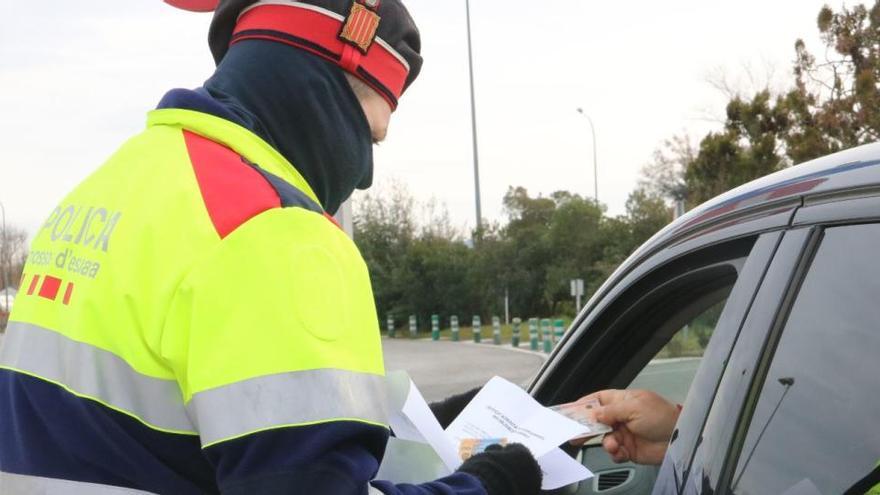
808	424
700	445
669	325
720	463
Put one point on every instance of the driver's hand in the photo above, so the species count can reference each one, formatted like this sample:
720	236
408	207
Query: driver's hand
642	420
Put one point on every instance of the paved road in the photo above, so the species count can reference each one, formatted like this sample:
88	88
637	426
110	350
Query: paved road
441	369
670	378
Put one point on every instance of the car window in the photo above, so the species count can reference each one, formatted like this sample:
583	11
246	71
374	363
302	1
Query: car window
681	324
652	331
814	429
672	370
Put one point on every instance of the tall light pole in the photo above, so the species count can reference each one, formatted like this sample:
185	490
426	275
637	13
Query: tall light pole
595	162
467	6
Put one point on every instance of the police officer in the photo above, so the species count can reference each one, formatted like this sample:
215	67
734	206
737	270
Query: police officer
195	322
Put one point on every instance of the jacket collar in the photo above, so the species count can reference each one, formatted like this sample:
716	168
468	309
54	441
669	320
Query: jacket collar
237	138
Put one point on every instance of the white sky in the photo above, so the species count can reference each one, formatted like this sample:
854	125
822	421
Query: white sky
76	79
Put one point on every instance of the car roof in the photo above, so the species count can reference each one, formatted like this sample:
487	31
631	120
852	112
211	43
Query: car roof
848	170
775	196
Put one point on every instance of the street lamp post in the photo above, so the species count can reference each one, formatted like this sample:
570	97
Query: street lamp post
595	161
467	5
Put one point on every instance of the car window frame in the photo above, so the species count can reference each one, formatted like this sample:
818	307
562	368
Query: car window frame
688	431
854	206
730	406
594	334
748	224
759	251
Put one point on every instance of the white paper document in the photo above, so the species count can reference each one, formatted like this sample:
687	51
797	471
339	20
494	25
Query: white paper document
559	469
411	419
409	458
502	410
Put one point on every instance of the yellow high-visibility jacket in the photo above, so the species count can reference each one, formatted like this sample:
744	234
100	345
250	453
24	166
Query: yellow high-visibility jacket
191	321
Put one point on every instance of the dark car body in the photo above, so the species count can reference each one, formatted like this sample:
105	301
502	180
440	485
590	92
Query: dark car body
784	397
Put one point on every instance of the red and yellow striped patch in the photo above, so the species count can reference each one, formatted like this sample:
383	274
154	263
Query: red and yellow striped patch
360	27
50	287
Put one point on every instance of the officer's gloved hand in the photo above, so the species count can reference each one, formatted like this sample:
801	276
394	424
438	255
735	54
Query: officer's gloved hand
509	470
448	409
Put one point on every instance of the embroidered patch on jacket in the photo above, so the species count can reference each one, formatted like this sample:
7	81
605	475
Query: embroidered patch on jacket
361	24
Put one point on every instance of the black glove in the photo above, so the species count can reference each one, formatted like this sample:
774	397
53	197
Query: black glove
509	470
448	409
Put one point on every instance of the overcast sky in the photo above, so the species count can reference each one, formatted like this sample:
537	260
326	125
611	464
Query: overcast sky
78	77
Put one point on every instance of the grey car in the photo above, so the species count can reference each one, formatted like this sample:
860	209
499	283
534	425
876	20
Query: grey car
760	312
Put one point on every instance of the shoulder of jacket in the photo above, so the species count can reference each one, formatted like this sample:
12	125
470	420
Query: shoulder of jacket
233	189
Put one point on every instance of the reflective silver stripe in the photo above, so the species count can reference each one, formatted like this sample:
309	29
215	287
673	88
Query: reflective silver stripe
93	372
20	484
294	398
372	490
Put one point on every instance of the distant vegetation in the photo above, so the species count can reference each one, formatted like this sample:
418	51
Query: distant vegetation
423	265
833	103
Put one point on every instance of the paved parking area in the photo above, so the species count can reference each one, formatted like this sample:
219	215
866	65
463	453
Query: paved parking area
444	368
670	378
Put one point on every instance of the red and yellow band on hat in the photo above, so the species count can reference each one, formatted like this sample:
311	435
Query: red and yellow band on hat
350	41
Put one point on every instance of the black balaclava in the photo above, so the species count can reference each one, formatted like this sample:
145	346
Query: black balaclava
304	107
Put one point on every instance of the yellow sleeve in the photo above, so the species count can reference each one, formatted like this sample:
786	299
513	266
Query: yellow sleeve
277	327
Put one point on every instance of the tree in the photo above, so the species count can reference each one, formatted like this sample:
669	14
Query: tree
646	214
384	230
496	269
664	176
432	278
424	266
523	250
617	246
574	237
13	254
835	103
749	147
418	262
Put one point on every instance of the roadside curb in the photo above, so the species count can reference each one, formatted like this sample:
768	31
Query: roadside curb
487	344
508	347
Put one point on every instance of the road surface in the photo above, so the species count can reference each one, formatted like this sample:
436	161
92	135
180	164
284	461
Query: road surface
670	378
441	369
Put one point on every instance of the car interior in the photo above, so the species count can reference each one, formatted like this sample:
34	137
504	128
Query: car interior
652	337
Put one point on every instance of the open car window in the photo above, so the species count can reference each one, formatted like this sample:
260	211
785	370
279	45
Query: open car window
656	334
672	370
681	334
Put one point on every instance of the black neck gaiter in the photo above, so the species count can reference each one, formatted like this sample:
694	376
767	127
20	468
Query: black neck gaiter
304	107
